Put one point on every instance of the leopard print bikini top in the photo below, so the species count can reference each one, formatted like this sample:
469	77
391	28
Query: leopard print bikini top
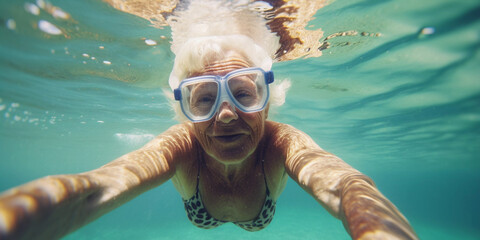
198	215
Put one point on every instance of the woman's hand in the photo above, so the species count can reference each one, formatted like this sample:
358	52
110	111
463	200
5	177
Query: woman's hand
367	214
65	202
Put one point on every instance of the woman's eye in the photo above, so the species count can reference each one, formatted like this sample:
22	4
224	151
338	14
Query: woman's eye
242	94
204	99
201	105
246	98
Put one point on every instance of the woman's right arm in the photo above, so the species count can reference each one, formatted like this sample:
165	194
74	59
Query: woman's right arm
53	206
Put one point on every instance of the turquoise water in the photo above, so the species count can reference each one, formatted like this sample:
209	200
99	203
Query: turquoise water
403	107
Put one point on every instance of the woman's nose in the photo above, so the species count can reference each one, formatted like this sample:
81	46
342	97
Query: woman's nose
226	113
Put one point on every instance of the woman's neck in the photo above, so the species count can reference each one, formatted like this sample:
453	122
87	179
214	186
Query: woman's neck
229	172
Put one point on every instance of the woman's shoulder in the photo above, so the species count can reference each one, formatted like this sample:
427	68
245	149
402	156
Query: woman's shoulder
281	131
177	144
272	127
177	134
284	137
276	138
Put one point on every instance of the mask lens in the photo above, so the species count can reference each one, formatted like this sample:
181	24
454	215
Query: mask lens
200	98
248	90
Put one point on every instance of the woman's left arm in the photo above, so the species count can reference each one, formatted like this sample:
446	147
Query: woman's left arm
345	192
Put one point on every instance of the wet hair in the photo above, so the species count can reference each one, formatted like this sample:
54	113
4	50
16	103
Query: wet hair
197	53
207	31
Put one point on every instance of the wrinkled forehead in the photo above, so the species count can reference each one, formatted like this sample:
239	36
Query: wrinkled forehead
216	64
217	55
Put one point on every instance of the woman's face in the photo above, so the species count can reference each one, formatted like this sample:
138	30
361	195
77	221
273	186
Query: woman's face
231	135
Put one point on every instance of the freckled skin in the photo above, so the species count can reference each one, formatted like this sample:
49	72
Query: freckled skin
232	180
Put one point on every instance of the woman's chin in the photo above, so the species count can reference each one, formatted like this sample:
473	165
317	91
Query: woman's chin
232	155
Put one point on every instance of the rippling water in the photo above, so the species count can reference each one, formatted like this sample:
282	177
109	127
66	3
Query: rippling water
81	84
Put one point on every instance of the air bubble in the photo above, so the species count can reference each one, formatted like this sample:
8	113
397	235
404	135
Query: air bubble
49	28
59	13
41	4
32	8
427	31
150	42
11	24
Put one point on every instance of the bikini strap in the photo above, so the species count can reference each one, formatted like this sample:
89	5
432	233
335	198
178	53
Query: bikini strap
199	165
265	176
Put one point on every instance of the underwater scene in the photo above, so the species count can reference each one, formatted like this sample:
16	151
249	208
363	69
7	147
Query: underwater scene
390	86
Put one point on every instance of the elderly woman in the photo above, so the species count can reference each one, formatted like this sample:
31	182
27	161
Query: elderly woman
227	161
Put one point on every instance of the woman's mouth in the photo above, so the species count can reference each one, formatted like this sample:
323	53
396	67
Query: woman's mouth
228	138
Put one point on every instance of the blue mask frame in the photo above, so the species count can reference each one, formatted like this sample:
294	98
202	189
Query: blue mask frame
224	94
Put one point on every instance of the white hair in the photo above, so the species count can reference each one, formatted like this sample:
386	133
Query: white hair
209	29
196	53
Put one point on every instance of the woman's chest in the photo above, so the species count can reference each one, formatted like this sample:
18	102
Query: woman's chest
232	201
238	201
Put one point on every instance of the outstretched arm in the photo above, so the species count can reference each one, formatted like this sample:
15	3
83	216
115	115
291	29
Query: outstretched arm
51	207
345	192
